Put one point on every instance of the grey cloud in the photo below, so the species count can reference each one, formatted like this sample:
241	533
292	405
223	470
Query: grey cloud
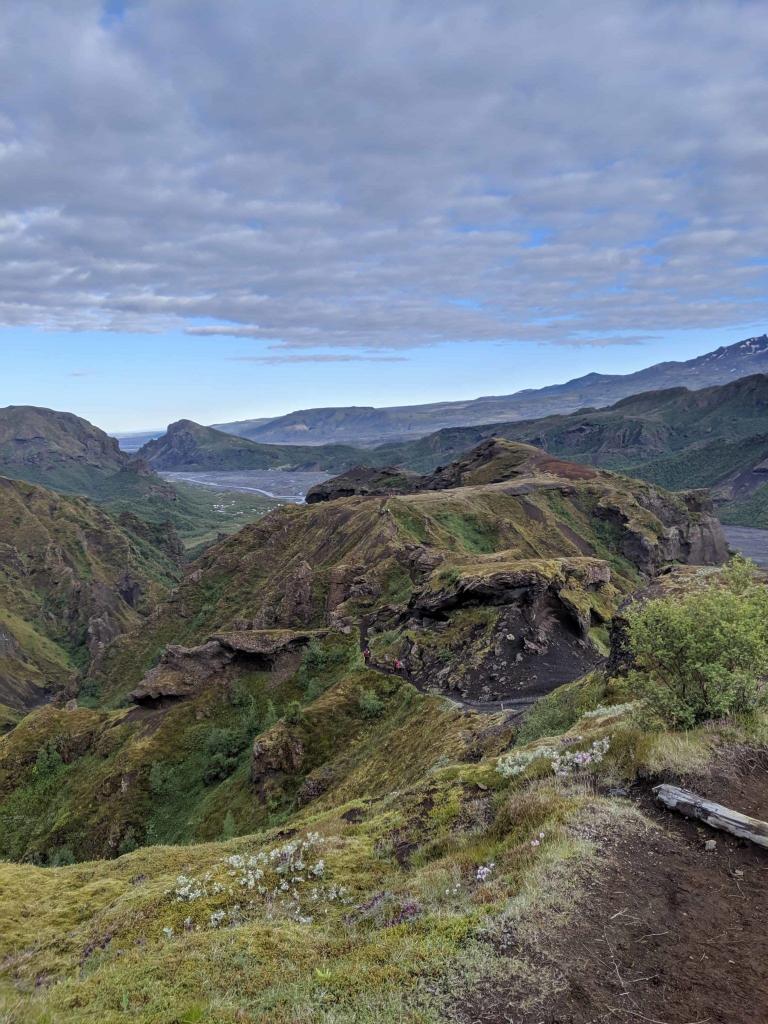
317	175
314	357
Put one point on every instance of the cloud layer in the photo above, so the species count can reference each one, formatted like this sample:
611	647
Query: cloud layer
384	175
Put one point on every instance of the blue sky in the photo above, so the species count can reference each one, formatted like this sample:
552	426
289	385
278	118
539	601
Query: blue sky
127	382
234	210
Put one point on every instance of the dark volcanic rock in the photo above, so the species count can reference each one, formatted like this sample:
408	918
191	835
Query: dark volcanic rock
532	632
364	480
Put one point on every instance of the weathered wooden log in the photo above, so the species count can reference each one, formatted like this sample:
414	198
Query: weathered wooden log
715	815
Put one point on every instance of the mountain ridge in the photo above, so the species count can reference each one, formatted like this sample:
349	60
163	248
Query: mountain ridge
187	445
366	424
676	437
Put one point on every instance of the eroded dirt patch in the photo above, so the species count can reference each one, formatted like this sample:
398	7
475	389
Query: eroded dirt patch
667	933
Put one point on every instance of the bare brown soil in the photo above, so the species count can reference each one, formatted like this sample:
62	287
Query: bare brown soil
669	933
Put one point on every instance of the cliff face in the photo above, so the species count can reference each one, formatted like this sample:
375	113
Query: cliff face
185	671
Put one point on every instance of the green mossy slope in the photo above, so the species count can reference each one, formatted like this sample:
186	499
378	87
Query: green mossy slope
70	579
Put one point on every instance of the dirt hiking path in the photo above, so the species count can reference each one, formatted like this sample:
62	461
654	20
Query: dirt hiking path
669	933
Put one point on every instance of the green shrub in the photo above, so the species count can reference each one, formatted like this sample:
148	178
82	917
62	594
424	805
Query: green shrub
61	857
161	778
703	655
219	767
47	763
293	713
324	661
449	576
560	709
223	748
370	704
129	842
270	716
317	687
228	742
89	694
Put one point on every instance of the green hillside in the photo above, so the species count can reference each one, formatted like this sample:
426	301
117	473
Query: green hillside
716	437
71	579
335	562
67	454
289	835
64	452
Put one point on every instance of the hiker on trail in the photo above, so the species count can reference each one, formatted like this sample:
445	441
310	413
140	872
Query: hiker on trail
398	665
367	655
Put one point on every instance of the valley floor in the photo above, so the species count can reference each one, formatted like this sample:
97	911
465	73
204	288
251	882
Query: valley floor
748	541
272	483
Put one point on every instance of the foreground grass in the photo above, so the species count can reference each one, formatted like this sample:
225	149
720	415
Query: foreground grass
101	940
397	923
424	871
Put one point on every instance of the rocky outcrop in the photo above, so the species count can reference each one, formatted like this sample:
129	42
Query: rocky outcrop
275	754
510	586
494	460
181	672
365	480
184	671
690	534
315	785
292	603
507	633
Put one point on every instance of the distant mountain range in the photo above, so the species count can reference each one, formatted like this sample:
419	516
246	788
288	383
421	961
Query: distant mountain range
366	426
715	437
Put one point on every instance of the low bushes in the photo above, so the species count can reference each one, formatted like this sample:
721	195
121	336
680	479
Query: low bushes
703	655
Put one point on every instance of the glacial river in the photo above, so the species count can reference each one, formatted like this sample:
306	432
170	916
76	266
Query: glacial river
272	483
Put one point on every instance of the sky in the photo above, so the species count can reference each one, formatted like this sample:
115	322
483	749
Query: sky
236	209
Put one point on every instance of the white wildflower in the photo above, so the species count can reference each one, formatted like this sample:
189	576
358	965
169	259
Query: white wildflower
483	873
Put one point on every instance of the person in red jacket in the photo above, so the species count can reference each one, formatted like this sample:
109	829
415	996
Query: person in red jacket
367	655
